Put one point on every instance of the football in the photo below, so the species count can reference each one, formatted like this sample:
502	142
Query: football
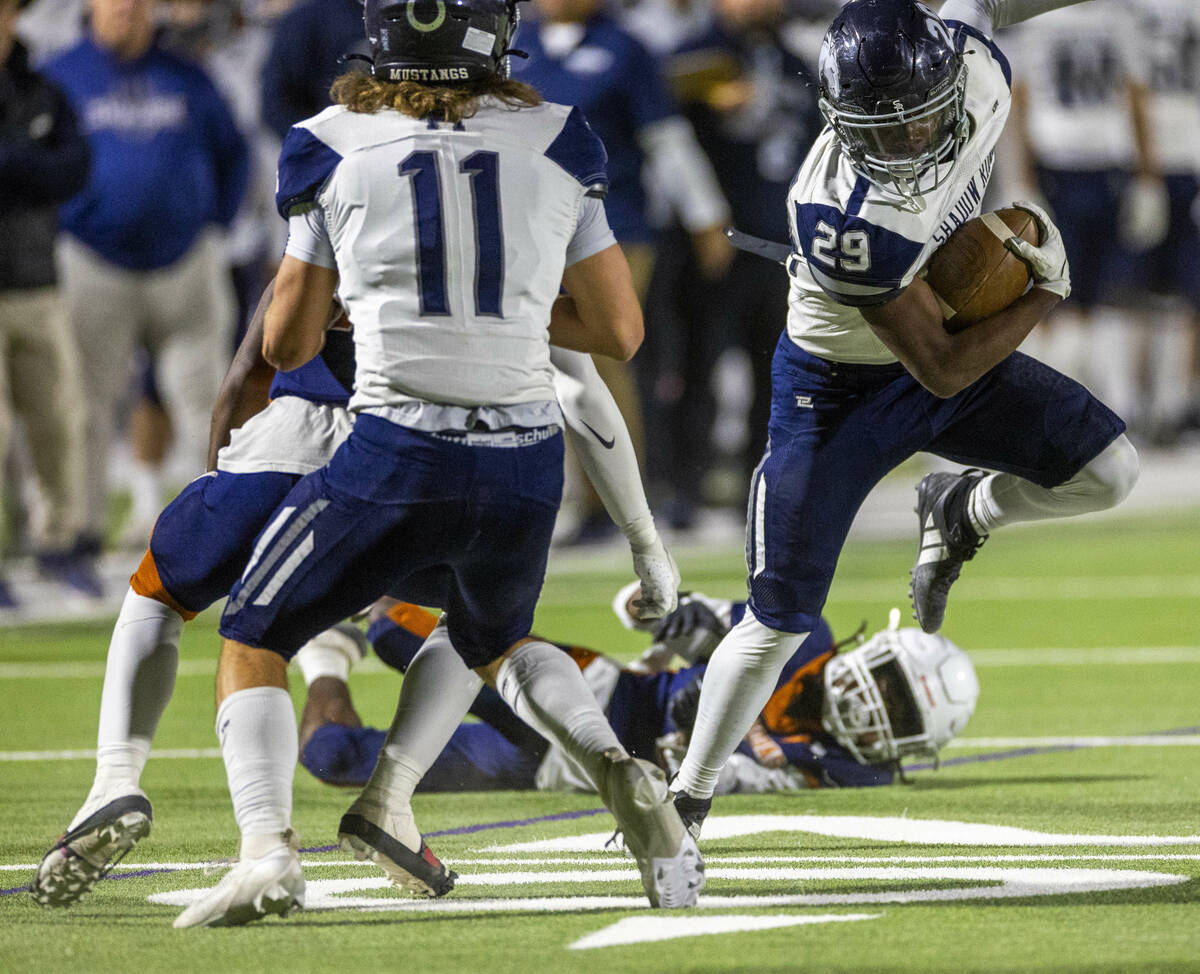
973	275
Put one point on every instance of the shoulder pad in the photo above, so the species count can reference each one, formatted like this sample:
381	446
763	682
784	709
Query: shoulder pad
963	33
305	163
854	261
579	151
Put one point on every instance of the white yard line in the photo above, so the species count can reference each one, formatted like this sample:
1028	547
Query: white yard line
985	743
1111	655
183	753
1134	740
312	863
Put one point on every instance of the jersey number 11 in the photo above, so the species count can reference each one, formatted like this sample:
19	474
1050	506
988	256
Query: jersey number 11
483	168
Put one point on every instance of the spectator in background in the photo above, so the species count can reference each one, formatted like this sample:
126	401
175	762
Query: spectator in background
305	57
231	39
43	161
1170	32
578	55
140	261
1079	115
747	93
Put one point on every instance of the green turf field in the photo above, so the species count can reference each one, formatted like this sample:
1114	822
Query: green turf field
1038	846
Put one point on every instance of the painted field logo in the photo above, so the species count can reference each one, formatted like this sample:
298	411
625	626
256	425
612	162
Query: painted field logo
519	873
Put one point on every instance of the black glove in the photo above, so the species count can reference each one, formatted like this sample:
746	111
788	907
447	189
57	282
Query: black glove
685	704
691	615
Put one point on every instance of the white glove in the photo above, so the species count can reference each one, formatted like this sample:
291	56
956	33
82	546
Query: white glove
655	567
1144	216
743	775
655	659
1047	263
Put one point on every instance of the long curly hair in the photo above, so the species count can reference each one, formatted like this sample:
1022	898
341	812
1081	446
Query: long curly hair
366	94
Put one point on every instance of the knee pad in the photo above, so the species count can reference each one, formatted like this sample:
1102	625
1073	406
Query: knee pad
1109	478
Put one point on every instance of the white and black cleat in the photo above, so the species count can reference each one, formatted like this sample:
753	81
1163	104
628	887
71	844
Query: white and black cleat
635	791
693	812
947	541
419	872
85	854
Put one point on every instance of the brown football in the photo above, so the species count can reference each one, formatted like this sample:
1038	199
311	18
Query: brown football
973	274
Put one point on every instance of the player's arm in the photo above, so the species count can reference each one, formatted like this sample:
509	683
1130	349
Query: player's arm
601	440
1144	216
990	15
600	314
911	324
305	285
297	318
247	382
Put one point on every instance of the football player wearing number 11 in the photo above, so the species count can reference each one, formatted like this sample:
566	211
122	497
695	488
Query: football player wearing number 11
866	375
443	203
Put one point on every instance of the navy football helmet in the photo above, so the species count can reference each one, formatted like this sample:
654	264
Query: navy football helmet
439	42
893	87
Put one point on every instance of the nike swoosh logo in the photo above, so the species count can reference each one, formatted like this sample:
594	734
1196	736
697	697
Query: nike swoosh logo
607	444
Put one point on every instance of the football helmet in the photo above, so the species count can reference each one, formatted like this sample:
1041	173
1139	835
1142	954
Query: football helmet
903	693
893	88
439	42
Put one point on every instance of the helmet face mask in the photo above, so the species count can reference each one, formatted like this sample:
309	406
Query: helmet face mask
902	694
893	89
440	42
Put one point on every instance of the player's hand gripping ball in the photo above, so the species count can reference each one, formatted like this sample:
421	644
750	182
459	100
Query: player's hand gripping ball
974	274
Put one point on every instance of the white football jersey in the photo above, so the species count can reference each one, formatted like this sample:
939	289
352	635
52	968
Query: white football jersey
450	242
1077	64
1170	36
854	246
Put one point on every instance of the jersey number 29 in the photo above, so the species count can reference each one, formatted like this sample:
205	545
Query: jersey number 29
854	247
483	168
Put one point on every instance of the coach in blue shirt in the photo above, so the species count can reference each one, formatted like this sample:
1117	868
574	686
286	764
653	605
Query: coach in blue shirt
140	261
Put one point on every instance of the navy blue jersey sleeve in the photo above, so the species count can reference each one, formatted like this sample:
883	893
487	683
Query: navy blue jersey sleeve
305	162
826	764
854	261
579	151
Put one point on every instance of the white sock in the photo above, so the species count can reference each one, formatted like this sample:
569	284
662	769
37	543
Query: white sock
545	688
257	730
1103	483
740	679
437	692
139	678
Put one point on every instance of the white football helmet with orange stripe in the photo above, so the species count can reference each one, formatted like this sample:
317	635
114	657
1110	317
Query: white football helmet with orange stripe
903	693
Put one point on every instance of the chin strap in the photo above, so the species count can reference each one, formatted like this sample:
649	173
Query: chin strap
356	56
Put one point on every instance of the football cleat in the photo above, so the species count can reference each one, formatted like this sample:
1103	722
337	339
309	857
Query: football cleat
85	854
635	791
693	812
257	886
419	872
947	541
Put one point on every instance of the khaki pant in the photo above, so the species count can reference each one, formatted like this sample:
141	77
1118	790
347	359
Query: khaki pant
183	314
39	383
